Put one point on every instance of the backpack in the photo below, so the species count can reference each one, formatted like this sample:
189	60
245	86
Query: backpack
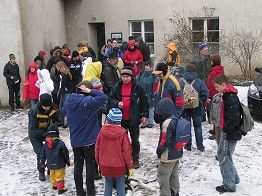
247	120
191	97
181	134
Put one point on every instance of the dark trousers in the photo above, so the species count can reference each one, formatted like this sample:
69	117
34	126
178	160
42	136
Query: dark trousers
134	134
86	154
14	95
37	143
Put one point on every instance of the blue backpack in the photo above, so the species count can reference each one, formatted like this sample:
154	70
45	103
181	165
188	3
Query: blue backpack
181	133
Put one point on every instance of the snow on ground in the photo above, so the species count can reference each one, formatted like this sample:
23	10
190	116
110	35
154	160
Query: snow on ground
199	171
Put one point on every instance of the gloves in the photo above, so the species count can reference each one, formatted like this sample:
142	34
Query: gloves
130	172
68	163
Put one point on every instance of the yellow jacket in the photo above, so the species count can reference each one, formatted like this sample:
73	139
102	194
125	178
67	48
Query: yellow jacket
169	58
93	70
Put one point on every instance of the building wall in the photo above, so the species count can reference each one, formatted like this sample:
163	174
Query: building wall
11	40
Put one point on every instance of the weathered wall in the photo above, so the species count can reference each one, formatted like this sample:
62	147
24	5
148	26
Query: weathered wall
11	40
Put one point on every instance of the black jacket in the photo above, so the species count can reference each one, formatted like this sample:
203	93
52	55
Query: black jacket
55	152
12	70
65	85
75	70
139	106
144	49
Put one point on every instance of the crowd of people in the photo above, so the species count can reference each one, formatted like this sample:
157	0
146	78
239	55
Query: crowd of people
75	90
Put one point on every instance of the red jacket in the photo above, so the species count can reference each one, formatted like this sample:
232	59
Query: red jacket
213	73
134	56
113	151
30	91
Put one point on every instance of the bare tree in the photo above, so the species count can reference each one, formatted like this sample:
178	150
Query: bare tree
242	48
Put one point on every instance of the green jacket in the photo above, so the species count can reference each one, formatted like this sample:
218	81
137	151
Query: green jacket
203	65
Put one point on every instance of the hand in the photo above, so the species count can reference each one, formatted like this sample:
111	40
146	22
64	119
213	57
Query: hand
120	104
130	172
132	62
68	163
208	100
144	121
84	89
12	77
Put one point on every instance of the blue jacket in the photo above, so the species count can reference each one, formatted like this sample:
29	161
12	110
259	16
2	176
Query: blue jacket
55	152
119	52
202	90
81	111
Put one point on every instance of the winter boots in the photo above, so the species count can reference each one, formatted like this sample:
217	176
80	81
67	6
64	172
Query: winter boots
62	191
136	164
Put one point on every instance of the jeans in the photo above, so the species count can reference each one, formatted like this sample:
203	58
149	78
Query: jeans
151	116
228	171
120	185
197	120
61	103
86	154
134	134
37	143
14	95
33	102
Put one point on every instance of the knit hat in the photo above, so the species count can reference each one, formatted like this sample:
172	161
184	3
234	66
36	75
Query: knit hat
216	59
75	54
11	56
46	100
161	67
126	71
96	83
42	54
113	55
53	130
114	116
201	46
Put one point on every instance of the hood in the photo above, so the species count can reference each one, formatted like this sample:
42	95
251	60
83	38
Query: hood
131	43
74	100
230	89
165	108
33	65
111	131
171	46
43	74
218	68
51	142
189	76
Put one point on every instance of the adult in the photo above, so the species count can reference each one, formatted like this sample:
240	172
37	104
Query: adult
58	53
41	116
133	58
169	87
40	59
106	47
75	65
81	111
202	62
195	113
110	71
144	49
115	48
130	97
13	81
66	52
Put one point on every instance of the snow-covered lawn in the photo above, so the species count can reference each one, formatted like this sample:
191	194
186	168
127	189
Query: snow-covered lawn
199	171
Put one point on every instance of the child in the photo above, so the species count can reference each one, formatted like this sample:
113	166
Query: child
44	82
149	82
169	156
57	156
230	120
113	153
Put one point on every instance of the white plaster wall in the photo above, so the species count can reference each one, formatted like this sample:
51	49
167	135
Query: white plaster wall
11	41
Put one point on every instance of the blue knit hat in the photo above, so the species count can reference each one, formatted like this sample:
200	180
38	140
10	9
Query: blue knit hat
114	115
201	46
53	130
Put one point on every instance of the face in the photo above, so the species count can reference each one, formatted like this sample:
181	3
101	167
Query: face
32	69
76	58
109	44
126	79
160	75
114	45
132	47
46	108
38	62
12	61
113	61
204	51
220	87
148	68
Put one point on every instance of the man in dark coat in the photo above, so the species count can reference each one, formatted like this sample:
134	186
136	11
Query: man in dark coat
13	81
75	65
130	97
144	49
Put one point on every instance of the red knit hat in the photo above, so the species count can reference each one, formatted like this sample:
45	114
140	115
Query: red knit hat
42	54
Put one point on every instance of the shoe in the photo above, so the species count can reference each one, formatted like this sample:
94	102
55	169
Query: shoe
150	125
54	188
174	194
19	106
211	131
98	177
222	189
62	191
136	164
212	137
65	126
143	126
202	148
188	148
41	176
12	108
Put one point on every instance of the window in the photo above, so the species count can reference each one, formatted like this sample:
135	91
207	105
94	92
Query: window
144	29
206	30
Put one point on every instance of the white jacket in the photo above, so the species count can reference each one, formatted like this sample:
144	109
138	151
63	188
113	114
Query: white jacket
44	82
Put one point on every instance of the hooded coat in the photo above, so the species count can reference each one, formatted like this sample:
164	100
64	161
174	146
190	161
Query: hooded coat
113	151
81	111
172	57
93	70
44	82
30	90
213	73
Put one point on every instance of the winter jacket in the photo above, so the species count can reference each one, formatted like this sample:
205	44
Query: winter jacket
230	114
12	70
213	73
113	151
39	120
165	149
109	77
55	152
75	70
215	109
139	106
172	57
131	56
202	90
81	111
65	86
145	51
41	63
170	88
44	82
110	50
203	65
30	90
104	49
93	70
148	80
